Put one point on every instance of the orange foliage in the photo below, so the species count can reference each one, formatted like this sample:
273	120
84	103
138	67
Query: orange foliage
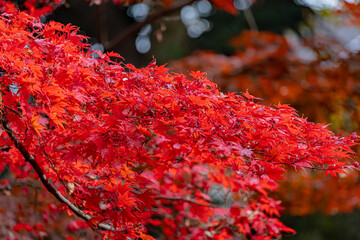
309	193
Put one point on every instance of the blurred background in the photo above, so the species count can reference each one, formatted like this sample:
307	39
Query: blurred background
303	52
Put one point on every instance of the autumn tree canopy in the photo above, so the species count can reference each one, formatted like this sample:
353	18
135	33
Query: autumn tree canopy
130	150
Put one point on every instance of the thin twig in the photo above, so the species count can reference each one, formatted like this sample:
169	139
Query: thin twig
48	185
12	110
101	29
53	168
249	17
182	199
136	27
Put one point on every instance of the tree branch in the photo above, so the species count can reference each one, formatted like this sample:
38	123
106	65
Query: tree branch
101	29
183	199
250	20
48	185
136	27
12	110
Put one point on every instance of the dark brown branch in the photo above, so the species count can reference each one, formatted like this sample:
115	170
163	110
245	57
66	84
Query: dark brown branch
101	29
48	185
183	199
136	27
12	110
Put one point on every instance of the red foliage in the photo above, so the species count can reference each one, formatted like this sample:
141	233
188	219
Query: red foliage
36	8
135	147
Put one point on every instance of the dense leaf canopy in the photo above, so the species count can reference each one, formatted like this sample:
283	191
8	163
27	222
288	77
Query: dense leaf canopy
125	148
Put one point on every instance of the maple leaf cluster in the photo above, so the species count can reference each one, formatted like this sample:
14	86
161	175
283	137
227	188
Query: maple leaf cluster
131	149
